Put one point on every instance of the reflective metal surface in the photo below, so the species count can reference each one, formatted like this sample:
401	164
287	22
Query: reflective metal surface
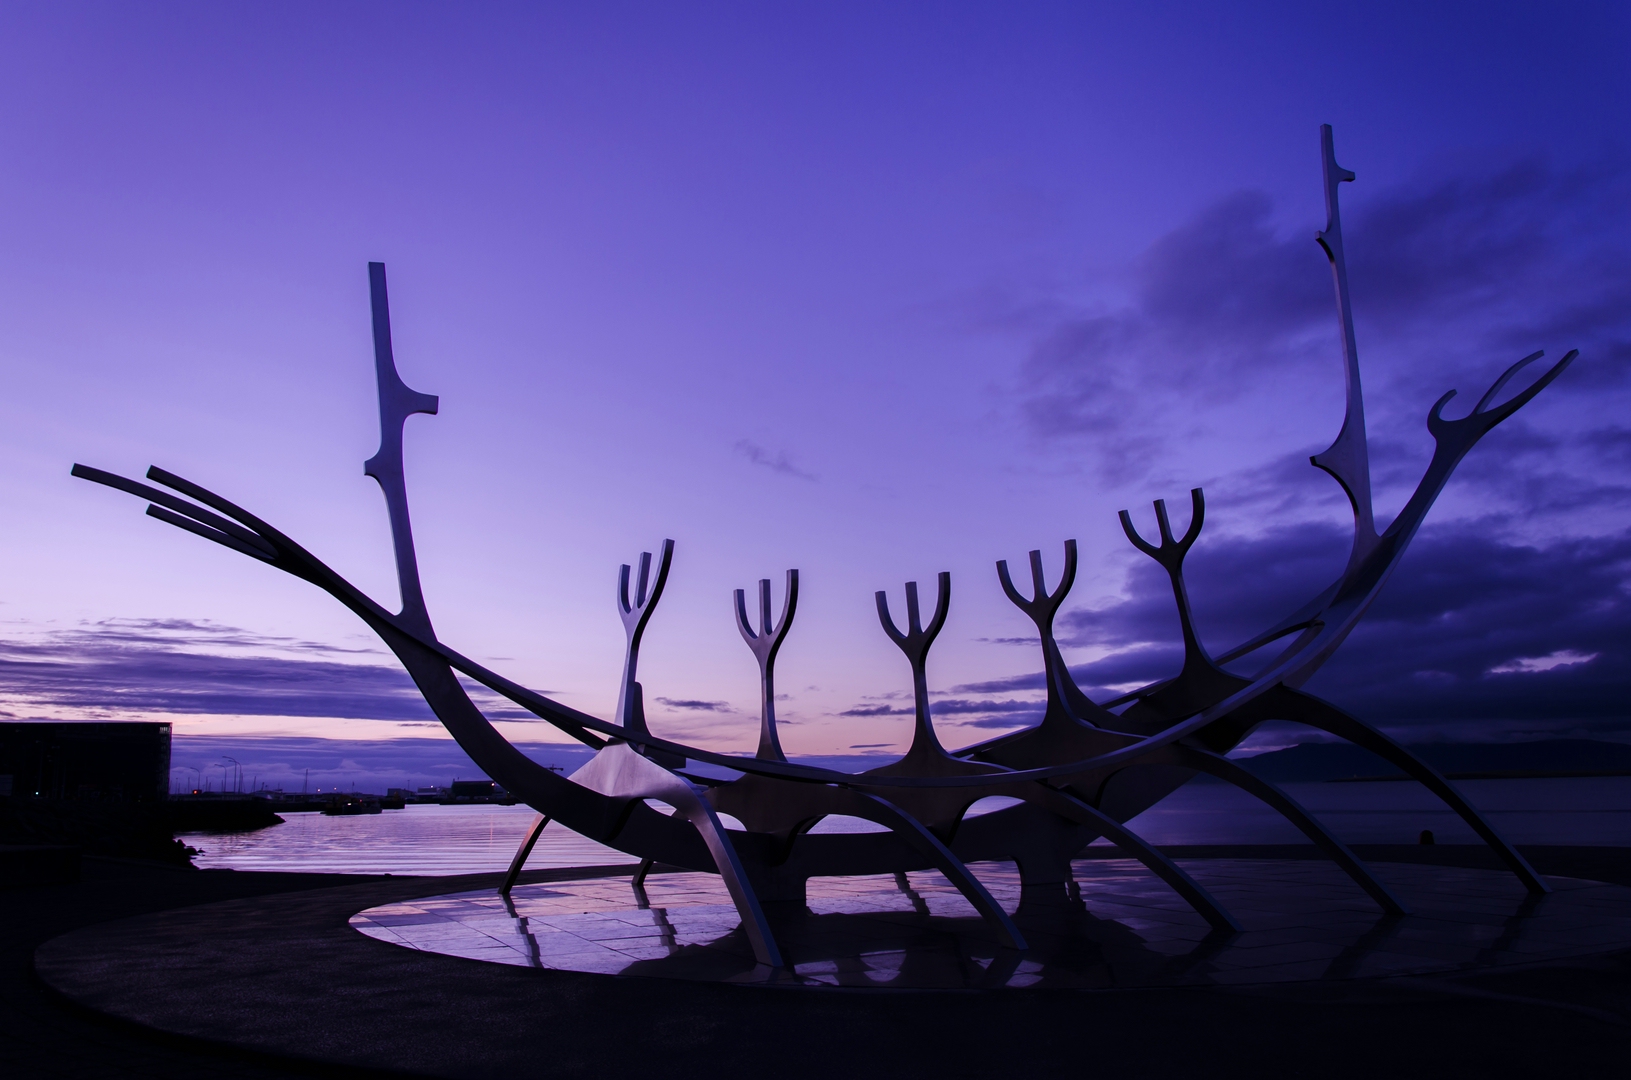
1080	774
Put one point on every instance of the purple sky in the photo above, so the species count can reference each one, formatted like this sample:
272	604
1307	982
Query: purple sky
874	291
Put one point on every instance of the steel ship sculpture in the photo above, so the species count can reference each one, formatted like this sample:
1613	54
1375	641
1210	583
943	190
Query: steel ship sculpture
1080	774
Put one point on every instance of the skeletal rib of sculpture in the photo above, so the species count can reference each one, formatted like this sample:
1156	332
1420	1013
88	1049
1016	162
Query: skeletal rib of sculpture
1078	775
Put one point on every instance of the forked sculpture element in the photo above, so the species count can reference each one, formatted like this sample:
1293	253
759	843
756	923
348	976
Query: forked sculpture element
1078	775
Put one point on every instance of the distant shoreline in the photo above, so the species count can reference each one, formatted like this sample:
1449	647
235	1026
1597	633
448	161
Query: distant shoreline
1516	774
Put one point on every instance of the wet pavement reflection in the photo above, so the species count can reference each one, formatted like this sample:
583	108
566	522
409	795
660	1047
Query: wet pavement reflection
1116	925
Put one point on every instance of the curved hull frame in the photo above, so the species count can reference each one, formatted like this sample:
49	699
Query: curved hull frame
1079	775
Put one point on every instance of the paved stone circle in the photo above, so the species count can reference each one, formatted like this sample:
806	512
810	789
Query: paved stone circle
1117	926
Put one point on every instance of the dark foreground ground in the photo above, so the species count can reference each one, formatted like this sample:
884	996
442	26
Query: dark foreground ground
1571	1019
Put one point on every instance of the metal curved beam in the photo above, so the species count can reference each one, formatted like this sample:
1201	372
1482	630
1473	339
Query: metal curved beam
776	807
1301	708
932	788
1224	769
1325	628
416	650
1327	620
880	810
1320	638
1164	868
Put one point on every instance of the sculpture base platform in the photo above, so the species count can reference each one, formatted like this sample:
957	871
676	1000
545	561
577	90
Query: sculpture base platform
1117	926
277	983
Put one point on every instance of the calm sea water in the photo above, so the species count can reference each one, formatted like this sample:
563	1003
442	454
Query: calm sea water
433	840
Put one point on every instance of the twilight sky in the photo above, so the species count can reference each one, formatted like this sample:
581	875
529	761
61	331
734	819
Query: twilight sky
870	290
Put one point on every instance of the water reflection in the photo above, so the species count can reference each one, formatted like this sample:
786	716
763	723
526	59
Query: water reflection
420	839
472	839
1116	927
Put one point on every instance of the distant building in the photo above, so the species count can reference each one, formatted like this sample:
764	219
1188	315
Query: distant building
473	789
119	762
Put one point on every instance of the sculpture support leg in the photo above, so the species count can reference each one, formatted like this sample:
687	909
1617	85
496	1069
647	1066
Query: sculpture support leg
1310	710
638	883
1130	842
926	842
622	773
702	816
774	807
522	852
1224	769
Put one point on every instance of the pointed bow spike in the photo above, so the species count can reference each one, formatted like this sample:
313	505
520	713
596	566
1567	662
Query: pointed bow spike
1347	459
396	403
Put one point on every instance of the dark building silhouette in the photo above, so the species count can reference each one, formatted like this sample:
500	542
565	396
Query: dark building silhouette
119	762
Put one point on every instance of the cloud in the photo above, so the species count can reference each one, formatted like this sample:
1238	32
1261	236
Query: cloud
1009	685
969	712
697	706
1003	723
202	632
1453	277
878	710
1561	658
199	668
1477	632
779	462
1612	443
1218	301
956	706
1449	638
